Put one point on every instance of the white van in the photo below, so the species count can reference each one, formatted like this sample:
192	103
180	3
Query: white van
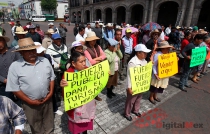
38	18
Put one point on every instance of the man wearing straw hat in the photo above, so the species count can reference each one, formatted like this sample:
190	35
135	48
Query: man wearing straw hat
6	59
20	34
47	41
31	79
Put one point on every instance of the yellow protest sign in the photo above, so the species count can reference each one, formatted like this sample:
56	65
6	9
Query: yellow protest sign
85	85
141	78
167	65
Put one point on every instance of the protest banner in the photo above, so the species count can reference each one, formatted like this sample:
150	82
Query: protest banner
167	65
198	56
85	85
141	78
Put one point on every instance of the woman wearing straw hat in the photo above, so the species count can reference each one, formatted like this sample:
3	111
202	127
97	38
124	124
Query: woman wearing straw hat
94	53
158	84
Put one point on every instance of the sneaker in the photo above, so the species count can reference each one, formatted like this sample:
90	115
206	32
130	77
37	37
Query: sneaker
59	112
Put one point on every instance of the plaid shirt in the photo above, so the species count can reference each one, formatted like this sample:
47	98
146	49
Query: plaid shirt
9	111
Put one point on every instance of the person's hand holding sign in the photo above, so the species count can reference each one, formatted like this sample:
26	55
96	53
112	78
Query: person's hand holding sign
130	91
157	77
63	83
188	57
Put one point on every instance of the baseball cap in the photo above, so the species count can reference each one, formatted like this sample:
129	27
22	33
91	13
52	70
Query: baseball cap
37	25
128	30
141	47
195	28
112	42
11	23
76	44
56	36
40	49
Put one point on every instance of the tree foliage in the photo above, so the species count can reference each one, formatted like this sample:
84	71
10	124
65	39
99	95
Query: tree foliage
49	5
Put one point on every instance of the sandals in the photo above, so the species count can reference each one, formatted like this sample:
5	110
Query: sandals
158	100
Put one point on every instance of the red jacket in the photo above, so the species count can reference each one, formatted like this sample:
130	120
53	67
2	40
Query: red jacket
135	40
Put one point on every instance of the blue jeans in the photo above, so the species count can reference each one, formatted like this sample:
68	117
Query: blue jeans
186	72
7	94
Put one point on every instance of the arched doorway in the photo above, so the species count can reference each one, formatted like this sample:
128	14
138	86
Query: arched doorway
87	19
79	16
73	17
98	14
108	13
121	14
136	14
168	13
204	17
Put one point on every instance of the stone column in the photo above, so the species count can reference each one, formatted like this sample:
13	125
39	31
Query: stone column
151	11
91	13
114	17
145	10
155	14
184	5
190	13
128	16
103	16
196	15
82	15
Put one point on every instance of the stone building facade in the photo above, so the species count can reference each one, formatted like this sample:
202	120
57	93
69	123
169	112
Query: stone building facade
175	12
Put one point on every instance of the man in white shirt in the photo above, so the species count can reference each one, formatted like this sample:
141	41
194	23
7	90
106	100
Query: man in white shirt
88	28
168	30
81	35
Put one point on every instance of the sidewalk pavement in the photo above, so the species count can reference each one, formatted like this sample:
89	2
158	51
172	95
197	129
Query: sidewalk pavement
184	113
109	114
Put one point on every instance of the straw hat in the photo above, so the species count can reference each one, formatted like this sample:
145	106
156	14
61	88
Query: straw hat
6	38
109	25
164	44
50	31
20	30
202	31
91	36
26	44
155	31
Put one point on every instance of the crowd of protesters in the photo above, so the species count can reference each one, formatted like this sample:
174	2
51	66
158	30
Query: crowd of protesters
32	68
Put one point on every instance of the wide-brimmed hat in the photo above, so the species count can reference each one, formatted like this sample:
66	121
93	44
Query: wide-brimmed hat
50	31
164	44
109	25
141	48
154	31
51	24
26	44
20	30
202	31
178	27
119	27
91	36
6	38
40	48
128	25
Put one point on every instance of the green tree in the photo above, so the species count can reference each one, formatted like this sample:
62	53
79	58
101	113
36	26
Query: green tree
49	5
